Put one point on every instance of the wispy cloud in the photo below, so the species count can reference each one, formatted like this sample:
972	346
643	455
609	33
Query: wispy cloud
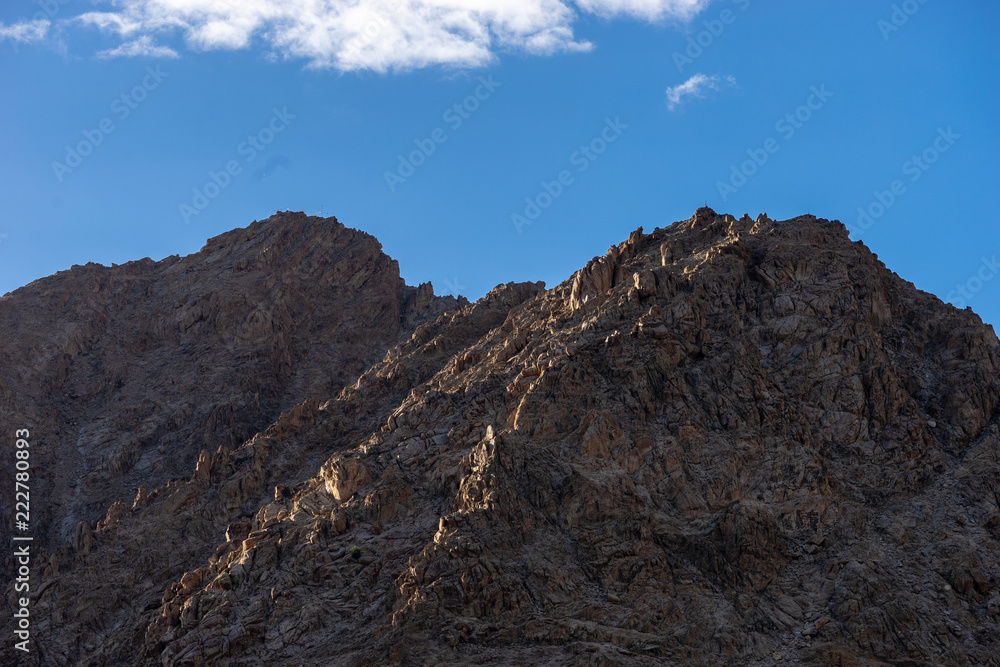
143	46
25	32
696	87
650	10
110	22
375	35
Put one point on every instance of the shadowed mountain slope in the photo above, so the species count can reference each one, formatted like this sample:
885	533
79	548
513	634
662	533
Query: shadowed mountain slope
730	441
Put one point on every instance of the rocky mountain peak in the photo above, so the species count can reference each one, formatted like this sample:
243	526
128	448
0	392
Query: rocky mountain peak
726	441
130	371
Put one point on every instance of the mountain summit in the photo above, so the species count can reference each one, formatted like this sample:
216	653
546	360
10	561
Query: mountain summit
727	441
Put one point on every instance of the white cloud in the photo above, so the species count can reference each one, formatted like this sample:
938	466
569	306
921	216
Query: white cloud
110	22
650	10
25	32
695	87
377	34
143	46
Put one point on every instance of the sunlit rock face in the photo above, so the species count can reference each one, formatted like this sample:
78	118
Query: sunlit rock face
729	441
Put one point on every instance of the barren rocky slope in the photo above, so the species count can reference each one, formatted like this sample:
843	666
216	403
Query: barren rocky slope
126	373
730	441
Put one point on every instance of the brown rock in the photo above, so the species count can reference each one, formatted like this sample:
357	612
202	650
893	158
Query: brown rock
746	475
645	283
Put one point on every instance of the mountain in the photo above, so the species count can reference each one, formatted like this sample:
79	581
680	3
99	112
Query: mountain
127	373
728	441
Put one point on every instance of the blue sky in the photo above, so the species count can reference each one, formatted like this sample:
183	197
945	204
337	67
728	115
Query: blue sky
575	124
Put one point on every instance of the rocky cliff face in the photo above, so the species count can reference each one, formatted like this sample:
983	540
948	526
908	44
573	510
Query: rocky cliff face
127	373
730	441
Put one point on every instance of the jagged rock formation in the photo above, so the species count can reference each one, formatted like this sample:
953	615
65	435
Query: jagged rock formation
127	373
730	441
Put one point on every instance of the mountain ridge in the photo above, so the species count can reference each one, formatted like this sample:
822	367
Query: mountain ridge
735	440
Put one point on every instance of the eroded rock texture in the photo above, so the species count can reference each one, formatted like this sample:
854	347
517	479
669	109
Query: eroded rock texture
730	441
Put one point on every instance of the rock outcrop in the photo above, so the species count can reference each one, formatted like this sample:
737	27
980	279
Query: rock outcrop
729	441
128	374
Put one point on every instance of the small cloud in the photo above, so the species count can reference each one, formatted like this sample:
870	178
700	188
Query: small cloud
695	87
139	48
649	10
25	32
110	22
